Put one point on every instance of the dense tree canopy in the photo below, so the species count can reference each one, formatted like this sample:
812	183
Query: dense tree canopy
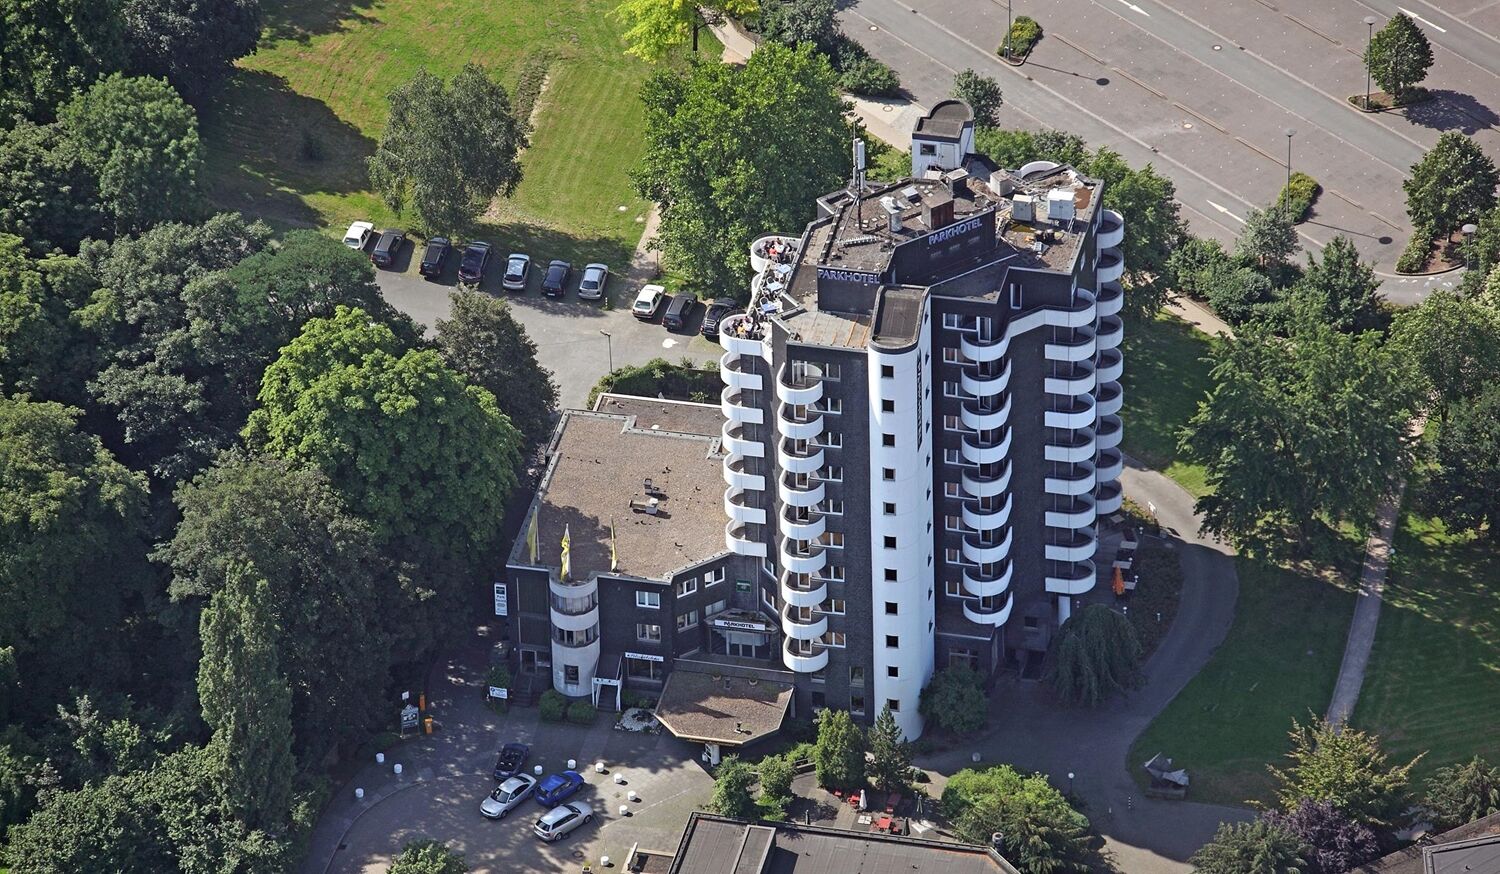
1459	794
428	857
53	49
48	196
41	350
1334	843
482	340
1454	183
731	795
1257	847
839	755
955	701
1346	768
1453	343
1095	654
1043	833
1463	487
1268	238
1399	55
1338	290
191	43
790	22
656	27
890	754
983	95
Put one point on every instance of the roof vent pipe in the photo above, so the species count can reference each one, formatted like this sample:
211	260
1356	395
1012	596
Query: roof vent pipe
892	213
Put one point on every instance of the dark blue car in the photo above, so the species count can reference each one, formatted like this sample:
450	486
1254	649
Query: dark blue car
557	788
509	762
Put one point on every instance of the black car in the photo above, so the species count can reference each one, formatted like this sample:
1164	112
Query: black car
715	313
435	257
472	266
387	247
512	757
555	283
678	311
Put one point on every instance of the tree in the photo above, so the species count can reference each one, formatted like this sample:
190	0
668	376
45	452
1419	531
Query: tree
39	342
483	340
48	196
1299	430
428	857
1481	255
191	43
655	27
1459	794
790	22
1339	290
141	141
1251	848
982	94
839	754
52	50
954	699
736	152
1334	842
1454	183
1013	149
1095	655
332	600
1453	343
1042	832
890	766
1398	56
1463	488
1238	294
731	795
775	777
1190	262
1347	768
448	149
1268	239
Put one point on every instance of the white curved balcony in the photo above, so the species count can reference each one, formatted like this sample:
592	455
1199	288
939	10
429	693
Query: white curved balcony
1081	514
1111	365
1110	399
807	425
979	551
1070	579
737	408
1074	546
738	508
797	629
985	487
575	621
1111	231
1108	432
738	476
1078	347
984	381
984	352
1081	448
1077	481
736	443
804	664
737	540
979	449
810	595
1109	466
738	337
798	560
986	585
980	416
1109	498
799	494
760	257
1111	298
1111	266
809	462
810	528
1081	315
1078	414
982	519
1110	332
1071	380
998	616
802	389
737	372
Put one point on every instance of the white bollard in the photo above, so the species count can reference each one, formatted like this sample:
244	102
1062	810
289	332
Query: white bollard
537	770
632	795
359	794
624	810
620	778
380	758
604	861
598	767
572	764
974	757
398	769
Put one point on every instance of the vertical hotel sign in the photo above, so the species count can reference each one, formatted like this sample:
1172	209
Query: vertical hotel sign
502	605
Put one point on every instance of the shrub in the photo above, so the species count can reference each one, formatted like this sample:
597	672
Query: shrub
1042	831
776	776
840	752
1095	654
868	77
1414	257
1024	33
581	712
731	795
553	706
955	700
677	382
1297	196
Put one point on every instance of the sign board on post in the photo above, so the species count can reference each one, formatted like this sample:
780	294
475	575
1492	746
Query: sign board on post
644	656
409	716
502	607
499	692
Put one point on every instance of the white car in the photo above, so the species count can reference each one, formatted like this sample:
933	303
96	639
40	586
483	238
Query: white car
507	796
595	278
562	819
517	269
647	301
358	235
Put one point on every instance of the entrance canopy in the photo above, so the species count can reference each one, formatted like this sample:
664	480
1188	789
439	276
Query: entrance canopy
731	711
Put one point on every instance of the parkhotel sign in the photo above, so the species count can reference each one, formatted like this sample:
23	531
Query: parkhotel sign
856	276
943	235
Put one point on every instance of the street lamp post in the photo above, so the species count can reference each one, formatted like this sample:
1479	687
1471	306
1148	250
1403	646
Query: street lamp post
609	342
1369	43
1009	23
1070	782
1290	132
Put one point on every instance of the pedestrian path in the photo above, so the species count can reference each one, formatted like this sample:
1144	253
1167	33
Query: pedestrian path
1366	610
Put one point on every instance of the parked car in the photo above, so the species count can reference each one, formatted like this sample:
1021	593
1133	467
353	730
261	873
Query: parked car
517	271
678	311
388	247
510	760
595	278
716	312
647	300
562	819
555	283
507	796
557	788
435	257
472	265
358	235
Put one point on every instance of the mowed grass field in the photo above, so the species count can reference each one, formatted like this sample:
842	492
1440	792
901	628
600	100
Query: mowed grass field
1165	378
1434	678
289	137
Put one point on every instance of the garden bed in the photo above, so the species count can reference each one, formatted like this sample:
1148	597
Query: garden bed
1383	102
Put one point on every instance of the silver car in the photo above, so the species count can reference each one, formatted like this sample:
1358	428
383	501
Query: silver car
595	278
562	819
507	796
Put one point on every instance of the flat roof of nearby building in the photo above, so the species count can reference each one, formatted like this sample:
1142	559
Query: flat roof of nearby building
719	845
595	481
1468	849
697	706
947	119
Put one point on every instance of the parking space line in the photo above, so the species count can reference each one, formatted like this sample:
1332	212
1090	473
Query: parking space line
1436	27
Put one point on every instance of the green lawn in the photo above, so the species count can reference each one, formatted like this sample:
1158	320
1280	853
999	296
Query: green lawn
1279	661
1434	678
1165	378
289	139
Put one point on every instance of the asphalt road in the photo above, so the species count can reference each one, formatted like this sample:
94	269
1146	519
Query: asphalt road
1205	91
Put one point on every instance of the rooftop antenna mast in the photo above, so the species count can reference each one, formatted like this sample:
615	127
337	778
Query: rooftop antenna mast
859	183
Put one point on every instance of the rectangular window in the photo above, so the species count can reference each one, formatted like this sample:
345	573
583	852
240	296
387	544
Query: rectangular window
687	586
953	555
950	354
887	439
954	588
952	320
820	676
959	655
831	405
648	599
570	675
834	572
833	639
1015	296
893	704
892	641
856	675
892	671
953	523
648	632
928	149
715	607
888	473
642	669
890	575
833	473
951	456
888	508
831	507
687	620
891	607
832	371
830	440
834	606
950	390
834	539
950	490
887	405
953	423
857	705
889	541
887	371
713	577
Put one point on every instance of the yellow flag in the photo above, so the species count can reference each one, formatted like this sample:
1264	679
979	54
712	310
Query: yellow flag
614	554
567	563
531	534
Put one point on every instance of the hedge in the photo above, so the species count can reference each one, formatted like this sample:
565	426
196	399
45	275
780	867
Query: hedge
581	712
1414	258
554	706
1024	34
1298	195
685	381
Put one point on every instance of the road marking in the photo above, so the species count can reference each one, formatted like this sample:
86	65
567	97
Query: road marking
1225	210
1412	14
1134	8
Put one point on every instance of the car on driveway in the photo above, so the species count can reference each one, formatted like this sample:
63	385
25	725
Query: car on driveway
358	235
555	283
507	796
716	313
678	311
435	257
647	301
595	278
510	760
557	788
562	819
474	262
517	271
388	247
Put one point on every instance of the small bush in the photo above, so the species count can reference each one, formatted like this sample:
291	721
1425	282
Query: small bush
1024	33
870	78
772	808
776	776
660	377
553	705
1298	195
581	712
955	700
1414	257
635	699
